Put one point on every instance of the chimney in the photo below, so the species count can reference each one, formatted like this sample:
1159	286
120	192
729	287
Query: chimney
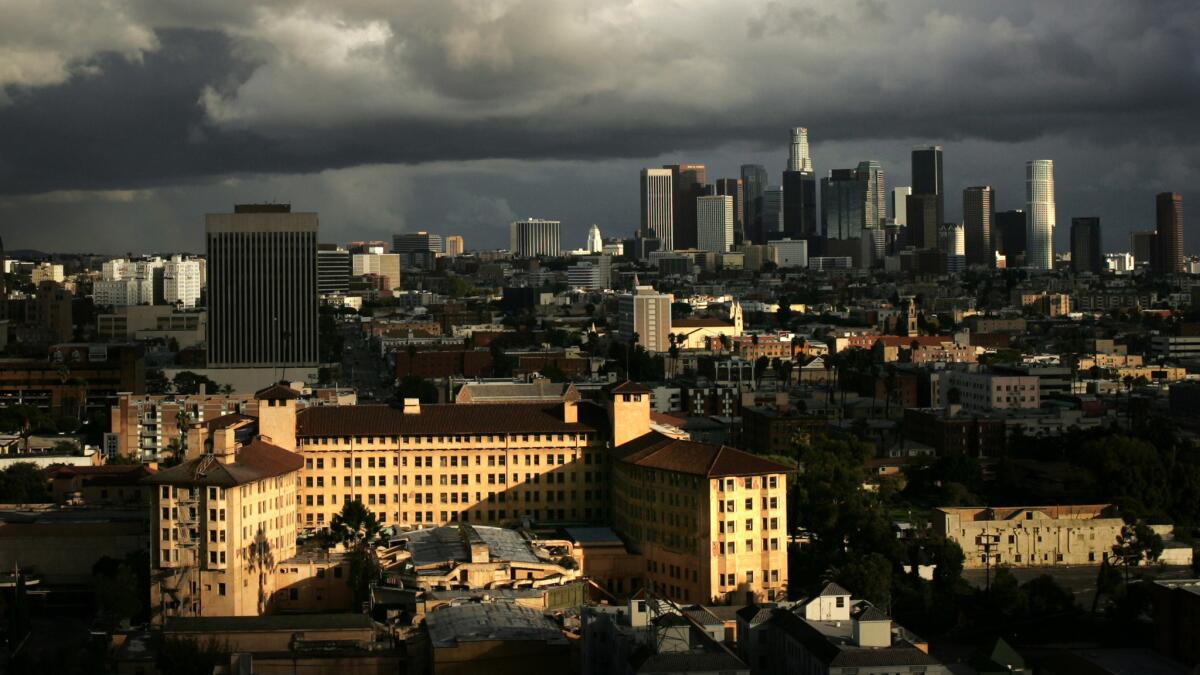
412	406
570	412
224	446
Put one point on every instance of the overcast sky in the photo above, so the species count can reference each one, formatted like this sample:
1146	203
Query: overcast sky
123	122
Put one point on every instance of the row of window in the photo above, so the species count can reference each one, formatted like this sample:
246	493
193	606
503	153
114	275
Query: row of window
443	440
730	547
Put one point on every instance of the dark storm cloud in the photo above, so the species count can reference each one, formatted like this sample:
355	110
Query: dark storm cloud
153	98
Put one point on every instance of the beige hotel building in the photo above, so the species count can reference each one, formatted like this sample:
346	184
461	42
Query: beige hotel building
709	520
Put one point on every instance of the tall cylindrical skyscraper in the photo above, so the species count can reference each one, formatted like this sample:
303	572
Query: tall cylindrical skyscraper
798	159
1039	213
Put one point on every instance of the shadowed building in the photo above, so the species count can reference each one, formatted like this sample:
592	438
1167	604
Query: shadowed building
1169	231
978	217
1085	245
262	287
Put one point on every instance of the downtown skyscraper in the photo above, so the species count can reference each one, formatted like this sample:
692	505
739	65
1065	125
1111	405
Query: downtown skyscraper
754	185
658	206
688	182
1086	255
714	223
925	210
262	287
978	223
1168	207
853	200
799	189
1039	214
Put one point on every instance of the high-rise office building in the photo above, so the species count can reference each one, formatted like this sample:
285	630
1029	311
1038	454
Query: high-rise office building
899	205
842	204
978	218
798	157
771	224
800	204
1040	216
952	240
658	205
333	269
714	223
1011	226
262	287
927	179
870	174
384	266
921	213
454	245
531	238
416	241
688	182
418	250
647	313
595	244
733	187
853	200
1085	245
754	184
800	189
1169	230
1144	245
927	173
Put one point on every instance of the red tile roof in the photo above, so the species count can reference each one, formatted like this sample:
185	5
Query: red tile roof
276	392
656	451
701	323
435	420
630	387
255	461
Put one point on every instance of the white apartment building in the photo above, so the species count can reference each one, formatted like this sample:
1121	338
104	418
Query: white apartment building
182	282
47	272
989	391
647	313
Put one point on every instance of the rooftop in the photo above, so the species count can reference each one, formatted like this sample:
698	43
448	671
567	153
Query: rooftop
444	419
540	391
656	451
450	625
832	643
1070	512
253	462
274	622
437	545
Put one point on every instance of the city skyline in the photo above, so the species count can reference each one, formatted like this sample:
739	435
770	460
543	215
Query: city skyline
217	136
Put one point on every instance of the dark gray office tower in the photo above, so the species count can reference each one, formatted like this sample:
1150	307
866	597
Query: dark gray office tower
733	187
1085	245
417	249
3	288
923	224
800	205
262	287
1011	226
754	184
333	269
687	184
842	199
978	217
1169	231
927	177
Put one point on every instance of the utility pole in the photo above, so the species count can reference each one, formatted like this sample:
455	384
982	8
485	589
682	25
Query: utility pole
988	542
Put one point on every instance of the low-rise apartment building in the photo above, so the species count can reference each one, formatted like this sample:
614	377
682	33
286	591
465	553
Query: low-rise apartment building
979	391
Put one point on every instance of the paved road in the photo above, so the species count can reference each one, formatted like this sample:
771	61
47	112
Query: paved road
1079	580
363	368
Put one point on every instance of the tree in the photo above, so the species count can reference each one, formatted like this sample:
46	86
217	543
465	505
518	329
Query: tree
119	588
189	656
1136	544
24	483
356	529
784	314
186	382
760	367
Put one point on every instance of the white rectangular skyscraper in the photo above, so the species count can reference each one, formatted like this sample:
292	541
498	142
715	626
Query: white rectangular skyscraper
1040	217
533	237
262	287
714	223
657	206
900	204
